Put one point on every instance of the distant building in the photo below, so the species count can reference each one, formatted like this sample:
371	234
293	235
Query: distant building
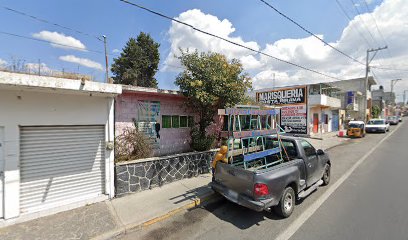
323	107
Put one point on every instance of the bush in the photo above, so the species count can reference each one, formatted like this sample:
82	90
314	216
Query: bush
131	145
201	142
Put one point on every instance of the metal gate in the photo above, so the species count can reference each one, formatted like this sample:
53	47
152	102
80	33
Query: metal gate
60	165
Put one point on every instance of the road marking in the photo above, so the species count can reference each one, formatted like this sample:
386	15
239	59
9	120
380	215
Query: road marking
295	225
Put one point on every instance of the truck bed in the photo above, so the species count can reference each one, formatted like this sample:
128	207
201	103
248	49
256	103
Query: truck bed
235	182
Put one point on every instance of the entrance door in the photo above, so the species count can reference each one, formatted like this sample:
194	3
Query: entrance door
335	121
1	169
315	122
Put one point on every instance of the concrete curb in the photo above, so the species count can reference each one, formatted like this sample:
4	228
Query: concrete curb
123	229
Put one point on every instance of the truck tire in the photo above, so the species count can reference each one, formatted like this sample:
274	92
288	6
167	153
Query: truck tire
286	203
326	174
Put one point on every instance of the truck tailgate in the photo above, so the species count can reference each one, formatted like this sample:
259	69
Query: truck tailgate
237	180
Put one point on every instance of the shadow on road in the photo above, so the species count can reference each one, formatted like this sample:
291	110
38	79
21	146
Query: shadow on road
237	215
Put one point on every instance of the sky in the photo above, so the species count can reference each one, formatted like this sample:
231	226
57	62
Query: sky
350	26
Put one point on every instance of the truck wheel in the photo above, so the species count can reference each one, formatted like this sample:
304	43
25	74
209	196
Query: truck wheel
286	203
326	175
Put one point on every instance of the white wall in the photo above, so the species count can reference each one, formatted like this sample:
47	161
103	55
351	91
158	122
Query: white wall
40	108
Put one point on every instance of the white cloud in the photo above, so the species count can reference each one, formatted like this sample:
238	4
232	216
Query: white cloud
81	61
2	62
67	42
35	67
186	38
115	51
391	17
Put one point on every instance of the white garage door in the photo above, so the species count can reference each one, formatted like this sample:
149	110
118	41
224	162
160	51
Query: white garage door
60	165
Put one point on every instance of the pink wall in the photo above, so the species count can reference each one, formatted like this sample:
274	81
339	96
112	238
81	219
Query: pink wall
172	140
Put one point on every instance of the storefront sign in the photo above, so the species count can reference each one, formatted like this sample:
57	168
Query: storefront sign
294	119
285	96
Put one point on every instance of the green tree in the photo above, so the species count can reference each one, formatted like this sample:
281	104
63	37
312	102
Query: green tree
138	62
375	111
210	82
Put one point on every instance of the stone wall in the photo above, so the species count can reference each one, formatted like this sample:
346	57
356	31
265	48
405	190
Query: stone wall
139	175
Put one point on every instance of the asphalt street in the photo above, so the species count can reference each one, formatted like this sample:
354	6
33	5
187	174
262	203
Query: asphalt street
369	204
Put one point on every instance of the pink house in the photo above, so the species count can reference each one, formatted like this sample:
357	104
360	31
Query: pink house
161	114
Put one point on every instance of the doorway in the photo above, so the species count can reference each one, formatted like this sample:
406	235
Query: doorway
315	122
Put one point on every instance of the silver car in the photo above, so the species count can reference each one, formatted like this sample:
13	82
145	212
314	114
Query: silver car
377	125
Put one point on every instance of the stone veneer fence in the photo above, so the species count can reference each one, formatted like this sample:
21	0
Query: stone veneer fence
143	174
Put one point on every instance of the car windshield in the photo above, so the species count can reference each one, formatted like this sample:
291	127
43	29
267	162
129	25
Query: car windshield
392	118
376	122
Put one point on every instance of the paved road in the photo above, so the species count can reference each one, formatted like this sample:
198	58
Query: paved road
372	202
368	205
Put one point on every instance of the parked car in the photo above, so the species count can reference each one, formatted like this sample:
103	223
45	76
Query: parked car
356	129
392	120
377	125
275	186
399	118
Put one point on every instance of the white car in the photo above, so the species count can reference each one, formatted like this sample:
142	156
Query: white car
377	125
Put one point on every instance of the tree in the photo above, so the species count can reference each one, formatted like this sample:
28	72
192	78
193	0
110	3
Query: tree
376	111
138	62
210	82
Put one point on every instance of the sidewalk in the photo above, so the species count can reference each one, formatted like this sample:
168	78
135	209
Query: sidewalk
327	140
107	219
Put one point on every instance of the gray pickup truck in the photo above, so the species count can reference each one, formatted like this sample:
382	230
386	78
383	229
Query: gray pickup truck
277	187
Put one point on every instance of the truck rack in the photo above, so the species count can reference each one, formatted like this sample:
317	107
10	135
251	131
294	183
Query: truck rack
246	131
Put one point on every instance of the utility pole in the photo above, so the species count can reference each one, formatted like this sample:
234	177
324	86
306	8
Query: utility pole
405	97
106	59
368	61
393	82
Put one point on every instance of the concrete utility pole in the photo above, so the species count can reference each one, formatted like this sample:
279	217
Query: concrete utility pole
405	103
368	61
393	82
106	59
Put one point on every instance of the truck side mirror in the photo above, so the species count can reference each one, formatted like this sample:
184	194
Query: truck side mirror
320	152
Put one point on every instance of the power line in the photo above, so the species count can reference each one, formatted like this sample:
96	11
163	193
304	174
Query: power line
51	23
349	18
51	42
389	68
378	29
312	34
362	21
226	40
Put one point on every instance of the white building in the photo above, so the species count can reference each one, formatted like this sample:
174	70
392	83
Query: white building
56	144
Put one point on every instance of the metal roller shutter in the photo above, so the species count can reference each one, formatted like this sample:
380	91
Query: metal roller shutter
60	165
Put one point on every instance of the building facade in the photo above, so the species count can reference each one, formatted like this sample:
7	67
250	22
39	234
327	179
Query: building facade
161	114
56	144
326	107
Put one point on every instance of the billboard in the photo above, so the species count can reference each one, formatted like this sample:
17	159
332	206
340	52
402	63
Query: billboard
293	104
283	96
294	119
